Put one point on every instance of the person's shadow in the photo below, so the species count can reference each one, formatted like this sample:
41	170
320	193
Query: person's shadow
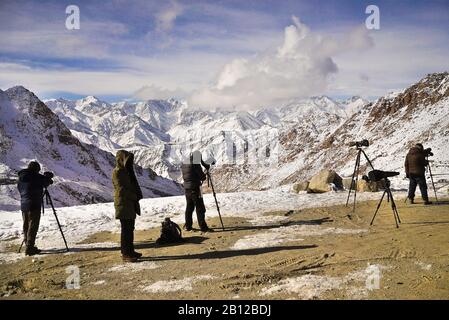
228	253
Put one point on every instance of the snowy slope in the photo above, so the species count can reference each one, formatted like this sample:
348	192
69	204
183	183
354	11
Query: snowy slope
392	124
30	130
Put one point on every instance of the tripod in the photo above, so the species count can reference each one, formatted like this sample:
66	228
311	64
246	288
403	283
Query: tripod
209	183
355	175
389	194
431	178
49	201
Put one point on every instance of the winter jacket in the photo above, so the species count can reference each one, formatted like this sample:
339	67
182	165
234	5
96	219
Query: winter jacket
127	192
415	163
193	175
31	188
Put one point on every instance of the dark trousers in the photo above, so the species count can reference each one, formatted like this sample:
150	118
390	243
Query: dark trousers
127	236
31	221
421	182
194	200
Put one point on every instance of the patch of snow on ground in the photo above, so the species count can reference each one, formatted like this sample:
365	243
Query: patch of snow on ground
185	284
99	282
423	266
356	284
134	267
79	222
287	234
307	286
10	257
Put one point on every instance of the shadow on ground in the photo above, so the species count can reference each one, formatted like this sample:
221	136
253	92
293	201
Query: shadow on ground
228	253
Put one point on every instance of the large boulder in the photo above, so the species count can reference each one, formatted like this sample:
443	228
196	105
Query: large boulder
300	186
325	181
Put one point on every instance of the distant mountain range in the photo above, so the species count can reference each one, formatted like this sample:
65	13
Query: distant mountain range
30	130
77	138
156	130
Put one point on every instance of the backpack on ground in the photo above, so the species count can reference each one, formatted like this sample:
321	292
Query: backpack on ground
170	233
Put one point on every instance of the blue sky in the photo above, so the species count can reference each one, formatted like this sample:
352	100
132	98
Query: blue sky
212	53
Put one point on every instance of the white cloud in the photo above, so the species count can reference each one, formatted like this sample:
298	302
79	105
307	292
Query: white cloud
300	67
156	92
165	18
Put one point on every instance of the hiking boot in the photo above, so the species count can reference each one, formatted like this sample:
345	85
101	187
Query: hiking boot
207	229
137	254
427	202
412	201
129	258
31	251
185	228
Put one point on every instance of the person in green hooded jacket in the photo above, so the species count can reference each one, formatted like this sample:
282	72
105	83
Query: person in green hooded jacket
127	194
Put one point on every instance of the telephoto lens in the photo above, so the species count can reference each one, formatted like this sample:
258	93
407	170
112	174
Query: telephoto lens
359	144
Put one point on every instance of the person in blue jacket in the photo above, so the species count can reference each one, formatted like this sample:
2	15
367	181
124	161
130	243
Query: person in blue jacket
31	188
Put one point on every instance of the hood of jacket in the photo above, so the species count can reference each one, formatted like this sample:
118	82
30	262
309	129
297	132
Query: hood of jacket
415	150
124	159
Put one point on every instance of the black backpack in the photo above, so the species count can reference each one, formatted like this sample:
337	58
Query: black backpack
170	233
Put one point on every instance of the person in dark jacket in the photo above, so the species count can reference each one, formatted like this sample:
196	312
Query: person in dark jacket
31	188
127	194
415	169
193	176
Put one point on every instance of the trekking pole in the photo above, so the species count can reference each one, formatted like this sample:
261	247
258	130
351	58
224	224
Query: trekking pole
49	201
209	180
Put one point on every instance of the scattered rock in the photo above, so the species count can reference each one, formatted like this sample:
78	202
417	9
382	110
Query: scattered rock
300	186
365	186
325	181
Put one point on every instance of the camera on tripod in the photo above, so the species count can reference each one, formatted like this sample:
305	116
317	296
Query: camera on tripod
359	144
49	174
428	152
378	175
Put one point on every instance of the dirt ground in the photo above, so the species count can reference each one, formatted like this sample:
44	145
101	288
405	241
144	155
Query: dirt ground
413	260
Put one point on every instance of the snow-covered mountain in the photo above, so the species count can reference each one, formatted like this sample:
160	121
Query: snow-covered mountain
311	133
392	124
162	132
30	130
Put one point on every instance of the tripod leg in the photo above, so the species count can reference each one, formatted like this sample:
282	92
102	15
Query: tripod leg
356	180
21	245
367	159
377	209
352	178
57	220
394	209
209	179
433	184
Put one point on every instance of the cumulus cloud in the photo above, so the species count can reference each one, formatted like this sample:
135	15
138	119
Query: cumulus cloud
165	18
301	66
